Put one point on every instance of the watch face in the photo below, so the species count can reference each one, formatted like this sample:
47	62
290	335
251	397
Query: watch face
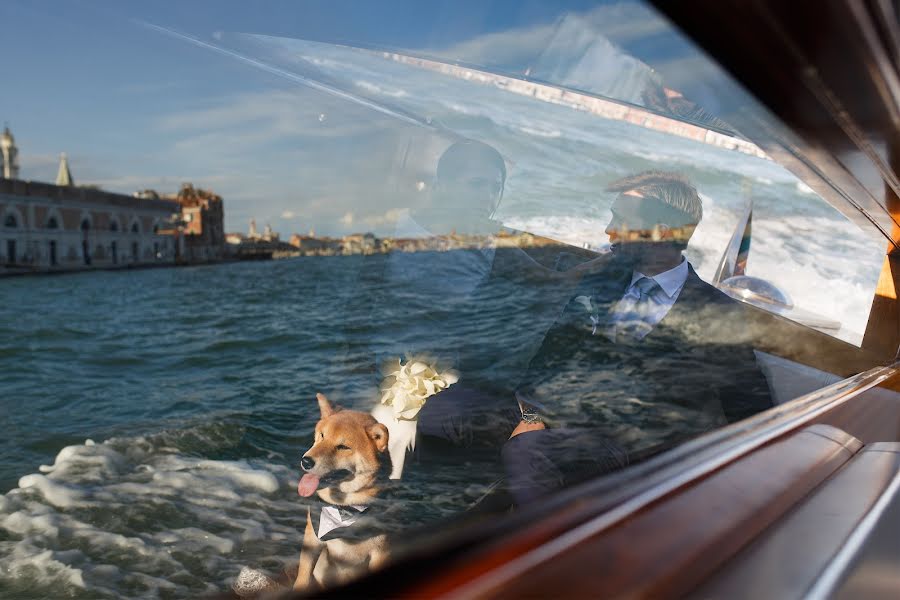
529	416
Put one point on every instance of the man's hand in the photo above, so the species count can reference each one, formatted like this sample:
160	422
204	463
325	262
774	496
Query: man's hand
522	427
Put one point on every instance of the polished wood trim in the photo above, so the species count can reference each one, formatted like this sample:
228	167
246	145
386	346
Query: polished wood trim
882	336
668	548
875	417
866	564
787	560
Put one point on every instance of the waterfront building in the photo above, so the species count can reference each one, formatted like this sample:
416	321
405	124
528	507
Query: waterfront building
47	227
310	245
203	229
253	234
64	227
359	243
269	235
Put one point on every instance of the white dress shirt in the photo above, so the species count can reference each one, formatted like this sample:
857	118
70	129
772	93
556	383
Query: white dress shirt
649	310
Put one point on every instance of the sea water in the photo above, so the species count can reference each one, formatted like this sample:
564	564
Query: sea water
154	420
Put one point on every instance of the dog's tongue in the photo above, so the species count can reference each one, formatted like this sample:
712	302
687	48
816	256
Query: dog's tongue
308	484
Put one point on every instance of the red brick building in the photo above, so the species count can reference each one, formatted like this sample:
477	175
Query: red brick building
203	220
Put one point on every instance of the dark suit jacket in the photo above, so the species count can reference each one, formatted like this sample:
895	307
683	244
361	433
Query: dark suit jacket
695	371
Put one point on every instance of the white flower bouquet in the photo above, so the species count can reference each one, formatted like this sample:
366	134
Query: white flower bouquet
406	387
404	390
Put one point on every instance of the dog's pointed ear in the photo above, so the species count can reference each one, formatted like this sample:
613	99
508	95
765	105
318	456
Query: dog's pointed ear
325	407
379	434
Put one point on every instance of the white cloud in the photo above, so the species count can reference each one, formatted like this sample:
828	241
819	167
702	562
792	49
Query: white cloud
387	218
288	214
257	118
347	219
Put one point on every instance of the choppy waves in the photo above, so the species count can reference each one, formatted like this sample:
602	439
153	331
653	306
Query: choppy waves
198	432
135	517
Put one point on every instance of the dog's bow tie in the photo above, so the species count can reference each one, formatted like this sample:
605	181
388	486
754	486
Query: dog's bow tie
336	517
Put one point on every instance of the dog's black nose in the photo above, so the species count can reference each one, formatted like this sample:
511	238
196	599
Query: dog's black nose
307	463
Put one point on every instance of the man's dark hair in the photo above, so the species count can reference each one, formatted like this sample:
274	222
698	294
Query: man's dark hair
671	188
461	155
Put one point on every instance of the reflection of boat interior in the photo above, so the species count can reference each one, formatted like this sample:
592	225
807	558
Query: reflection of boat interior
731	279
800	501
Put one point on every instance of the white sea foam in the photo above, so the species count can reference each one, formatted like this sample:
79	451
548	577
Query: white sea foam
28	562
131	517
242	475
57	494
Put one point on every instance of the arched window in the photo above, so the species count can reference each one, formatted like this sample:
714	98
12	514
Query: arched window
52	223
156	228
135	228
85	225
114	226
10	221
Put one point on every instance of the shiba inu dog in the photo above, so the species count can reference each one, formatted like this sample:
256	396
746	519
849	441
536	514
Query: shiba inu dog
346	469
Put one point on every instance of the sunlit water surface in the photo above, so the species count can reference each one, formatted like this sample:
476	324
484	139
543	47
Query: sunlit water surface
155	418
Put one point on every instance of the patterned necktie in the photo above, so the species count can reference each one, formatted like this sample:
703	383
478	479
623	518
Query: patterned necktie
634	315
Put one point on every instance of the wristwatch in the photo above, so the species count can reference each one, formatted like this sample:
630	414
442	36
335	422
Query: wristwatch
530	415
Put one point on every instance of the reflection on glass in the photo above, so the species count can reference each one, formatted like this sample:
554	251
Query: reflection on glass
501	257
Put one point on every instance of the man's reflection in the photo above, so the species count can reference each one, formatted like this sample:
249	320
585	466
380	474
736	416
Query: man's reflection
467	190
652	221
644	355
421	294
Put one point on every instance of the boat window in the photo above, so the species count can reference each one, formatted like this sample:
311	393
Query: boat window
525	241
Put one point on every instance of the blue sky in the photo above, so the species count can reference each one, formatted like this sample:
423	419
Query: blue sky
135	108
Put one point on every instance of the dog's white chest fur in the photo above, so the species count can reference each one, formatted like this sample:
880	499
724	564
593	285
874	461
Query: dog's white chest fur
343	560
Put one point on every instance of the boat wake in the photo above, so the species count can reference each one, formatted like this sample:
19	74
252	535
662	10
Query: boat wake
135	517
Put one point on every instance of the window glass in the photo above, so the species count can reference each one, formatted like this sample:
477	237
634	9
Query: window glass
800	244
465	227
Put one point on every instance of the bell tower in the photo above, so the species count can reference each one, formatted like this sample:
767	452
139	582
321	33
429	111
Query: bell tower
64	175
10	155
